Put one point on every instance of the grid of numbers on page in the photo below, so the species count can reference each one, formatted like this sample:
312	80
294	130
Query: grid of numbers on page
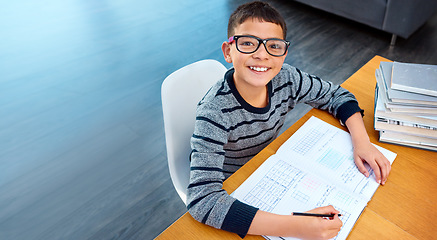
308	141
272	187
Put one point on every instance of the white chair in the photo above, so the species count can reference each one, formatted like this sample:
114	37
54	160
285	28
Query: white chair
180	93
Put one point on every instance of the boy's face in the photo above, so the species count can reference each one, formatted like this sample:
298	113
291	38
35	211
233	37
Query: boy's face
258	68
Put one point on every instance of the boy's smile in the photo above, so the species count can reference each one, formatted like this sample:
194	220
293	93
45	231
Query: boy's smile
254	70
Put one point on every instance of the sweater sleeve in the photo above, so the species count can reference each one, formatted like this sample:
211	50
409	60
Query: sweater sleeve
207	201
322	94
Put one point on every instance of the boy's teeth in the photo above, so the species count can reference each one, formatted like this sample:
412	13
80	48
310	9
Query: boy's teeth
259	69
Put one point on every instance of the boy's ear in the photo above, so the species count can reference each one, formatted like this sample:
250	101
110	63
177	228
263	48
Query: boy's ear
226	49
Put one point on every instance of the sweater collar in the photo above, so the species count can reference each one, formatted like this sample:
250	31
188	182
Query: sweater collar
229	78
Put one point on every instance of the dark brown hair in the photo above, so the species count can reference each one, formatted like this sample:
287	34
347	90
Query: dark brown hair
256	10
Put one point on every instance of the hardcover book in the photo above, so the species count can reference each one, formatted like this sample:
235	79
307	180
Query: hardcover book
416	78
402	97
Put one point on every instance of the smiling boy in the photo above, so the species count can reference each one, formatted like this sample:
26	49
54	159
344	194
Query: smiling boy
244	112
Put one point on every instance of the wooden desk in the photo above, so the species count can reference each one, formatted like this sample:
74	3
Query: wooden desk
405	208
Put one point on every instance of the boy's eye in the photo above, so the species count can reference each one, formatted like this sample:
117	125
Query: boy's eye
275	46
246	43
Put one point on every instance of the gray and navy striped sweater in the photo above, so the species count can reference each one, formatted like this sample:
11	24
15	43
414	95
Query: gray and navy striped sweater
229	132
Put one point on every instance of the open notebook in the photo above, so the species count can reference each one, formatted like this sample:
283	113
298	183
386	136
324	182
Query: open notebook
313	168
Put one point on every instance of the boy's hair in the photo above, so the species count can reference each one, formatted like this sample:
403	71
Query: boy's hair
256	10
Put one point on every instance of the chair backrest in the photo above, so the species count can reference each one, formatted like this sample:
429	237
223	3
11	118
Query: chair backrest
181	91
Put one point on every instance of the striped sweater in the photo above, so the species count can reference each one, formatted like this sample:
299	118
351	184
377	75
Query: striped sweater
229	132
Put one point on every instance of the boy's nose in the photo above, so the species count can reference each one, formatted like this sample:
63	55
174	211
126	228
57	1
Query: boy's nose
261	52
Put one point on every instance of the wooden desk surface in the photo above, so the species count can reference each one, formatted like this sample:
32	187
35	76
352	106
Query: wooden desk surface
405	208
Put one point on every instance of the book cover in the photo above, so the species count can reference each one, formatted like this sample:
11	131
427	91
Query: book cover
397	96
416	78
382	111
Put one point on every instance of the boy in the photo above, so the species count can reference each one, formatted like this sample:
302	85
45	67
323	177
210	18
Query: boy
243	113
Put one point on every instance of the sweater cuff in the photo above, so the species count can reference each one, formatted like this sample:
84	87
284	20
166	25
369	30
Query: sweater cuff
348	109
239	218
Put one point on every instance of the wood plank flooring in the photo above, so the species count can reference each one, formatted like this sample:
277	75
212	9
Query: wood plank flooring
82	147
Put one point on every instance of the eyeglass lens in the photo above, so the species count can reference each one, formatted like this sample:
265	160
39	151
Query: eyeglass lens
248	44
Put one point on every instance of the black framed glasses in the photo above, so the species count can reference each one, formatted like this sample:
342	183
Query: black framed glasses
250	44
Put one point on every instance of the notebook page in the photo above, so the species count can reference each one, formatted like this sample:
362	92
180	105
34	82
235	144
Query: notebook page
282	188
290	180
327	151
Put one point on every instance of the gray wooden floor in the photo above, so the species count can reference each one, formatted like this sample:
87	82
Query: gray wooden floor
82	150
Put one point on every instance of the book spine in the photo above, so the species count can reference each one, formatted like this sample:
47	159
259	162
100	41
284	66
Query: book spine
383	126
402	123
402	143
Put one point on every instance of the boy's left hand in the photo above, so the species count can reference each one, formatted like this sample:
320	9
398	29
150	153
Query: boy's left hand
366	152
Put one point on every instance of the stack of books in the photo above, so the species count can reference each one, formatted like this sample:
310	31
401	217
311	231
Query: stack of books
406	104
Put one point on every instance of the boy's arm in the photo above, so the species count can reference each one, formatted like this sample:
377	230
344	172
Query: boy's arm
364	151
270	224
207	201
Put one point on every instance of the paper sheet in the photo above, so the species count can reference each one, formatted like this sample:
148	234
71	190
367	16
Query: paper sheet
313	168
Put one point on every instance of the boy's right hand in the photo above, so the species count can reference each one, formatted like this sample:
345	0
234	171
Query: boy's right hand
318	227
303	227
